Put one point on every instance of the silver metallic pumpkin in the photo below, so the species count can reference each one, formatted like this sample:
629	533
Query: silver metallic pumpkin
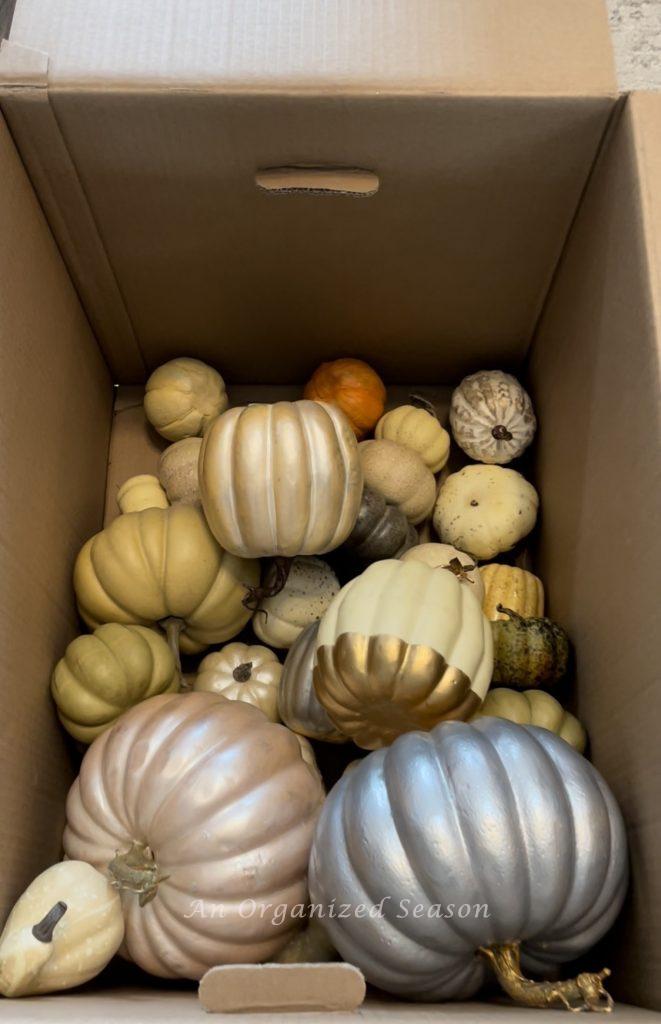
298	704
474	836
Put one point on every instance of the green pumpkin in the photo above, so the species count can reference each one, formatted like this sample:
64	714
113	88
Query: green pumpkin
528	652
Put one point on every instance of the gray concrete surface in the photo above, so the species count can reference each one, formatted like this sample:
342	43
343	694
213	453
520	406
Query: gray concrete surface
636	28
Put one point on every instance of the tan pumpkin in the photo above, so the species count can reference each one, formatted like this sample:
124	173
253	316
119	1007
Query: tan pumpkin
194	805
164	566
402	647
400	476
143	491
103	674
247	672
485	510
63	930
281	479
444	556
178	470
309	589
419	429
492	417
182	397
534	707
512	587
297	702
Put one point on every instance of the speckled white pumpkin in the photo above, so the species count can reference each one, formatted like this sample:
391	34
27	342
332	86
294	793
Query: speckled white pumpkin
485	510
177	470
445	556
418	430
492	417
400	476
310	588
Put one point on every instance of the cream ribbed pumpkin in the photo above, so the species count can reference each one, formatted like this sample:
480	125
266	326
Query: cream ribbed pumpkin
534	707
418	430
183	396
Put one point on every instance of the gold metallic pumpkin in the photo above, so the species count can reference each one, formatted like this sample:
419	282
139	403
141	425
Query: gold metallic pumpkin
159	564
401	647
282	479
512	587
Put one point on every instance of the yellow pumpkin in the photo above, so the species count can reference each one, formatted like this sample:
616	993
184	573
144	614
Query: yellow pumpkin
182	397
534	707
514	588
143	491
250	673
103	674
418	429
164	566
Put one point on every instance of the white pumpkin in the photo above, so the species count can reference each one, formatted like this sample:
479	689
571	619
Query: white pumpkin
400	476
140	492
64	929
309	590
418	429
282	479
492	417
401	647
250	673
178	470
182	397
445	556
485	510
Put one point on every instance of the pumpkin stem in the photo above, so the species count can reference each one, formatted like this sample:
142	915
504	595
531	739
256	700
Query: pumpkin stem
501	433
43	930
243	672
173	627
584	992
460	570
136	871
423	403
508	611
273	582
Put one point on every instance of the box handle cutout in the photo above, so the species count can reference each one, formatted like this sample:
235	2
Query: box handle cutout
318	181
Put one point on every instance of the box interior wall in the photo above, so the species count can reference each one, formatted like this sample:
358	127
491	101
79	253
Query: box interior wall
591	361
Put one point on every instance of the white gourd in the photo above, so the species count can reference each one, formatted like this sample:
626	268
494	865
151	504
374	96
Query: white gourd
492	417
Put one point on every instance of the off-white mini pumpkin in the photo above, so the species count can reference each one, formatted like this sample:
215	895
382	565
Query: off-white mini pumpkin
178	470
485	510
64	929
400	475
250	673
139	492
444	556
492	417
417	429
310	588
183	396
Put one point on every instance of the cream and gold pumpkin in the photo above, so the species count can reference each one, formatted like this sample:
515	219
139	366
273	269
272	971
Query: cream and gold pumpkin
515	588
282	479
164	564
534	707
445	556
401	647
104	673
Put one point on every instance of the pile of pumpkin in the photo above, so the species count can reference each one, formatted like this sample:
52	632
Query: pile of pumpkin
200	794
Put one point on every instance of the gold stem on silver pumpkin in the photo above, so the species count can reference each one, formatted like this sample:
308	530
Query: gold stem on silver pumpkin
584	992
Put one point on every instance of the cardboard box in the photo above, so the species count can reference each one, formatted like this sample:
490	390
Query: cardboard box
462	188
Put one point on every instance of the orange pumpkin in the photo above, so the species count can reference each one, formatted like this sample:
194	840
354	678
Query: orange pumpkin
352	386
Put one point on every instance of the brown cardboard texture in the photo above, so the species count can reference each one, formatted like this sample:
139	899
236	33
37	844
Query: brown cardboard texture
493	239
279	988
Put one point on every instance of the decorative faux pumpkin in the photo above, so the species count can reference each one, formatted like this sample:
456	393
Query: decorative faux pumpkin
492	417
194	804
534	707
309	589
417	427
178	470
164	566
182	397
400	476
515	588
63	930
401	647
485	510
444	556
528	652
352	386
243	672
381	530
309	946
506	839
140	492
298	704
103	674
281	479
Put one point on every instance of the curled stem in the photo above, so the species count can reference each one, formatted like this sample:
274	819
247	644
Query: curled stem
584	992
